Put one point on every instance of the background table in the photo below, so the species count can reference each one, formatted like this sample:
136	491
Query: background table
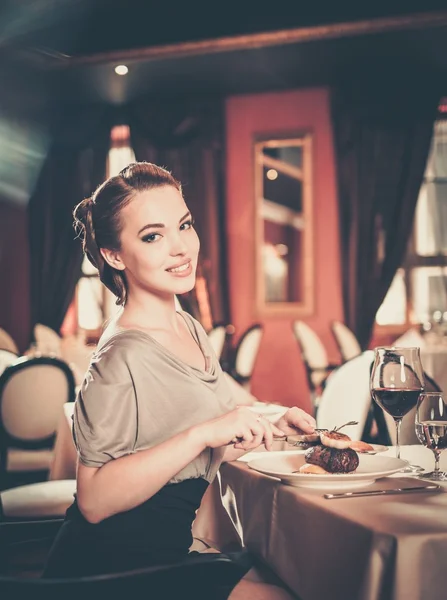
434	359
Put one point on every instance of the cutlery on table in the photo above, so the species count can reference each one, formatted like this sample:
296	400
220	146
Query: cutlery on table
408	490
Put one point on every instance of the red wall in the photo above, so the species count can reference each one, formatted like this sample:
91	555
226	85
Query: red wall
279	374
14	273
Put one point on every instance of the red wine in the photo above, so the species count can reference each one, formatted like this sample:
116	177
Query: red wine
396	402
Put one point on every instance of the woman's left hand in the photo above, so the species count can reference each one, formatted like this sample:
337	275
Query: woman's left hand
295	420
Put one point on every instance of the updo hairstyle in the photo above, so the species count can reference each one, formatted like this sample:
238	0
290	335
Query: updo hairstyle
97	219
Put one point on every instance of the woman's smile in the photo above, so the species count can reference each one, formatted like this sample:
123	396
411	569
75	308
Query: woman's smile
183	270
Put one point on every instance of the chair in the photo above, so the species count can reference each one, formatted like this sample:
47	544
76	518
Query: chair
314	356
25	546
7	343
36	501
77	354
244	355
347	397
216	337
347	343
7	358
48	342
32	393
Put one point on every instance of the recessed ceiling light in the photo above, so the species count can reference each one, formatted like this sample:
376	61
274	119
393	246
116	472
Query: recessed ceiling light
121	70
272	174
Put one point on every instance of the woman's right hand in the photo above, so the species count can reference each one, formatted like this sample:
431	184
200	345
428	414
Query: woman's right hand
241	427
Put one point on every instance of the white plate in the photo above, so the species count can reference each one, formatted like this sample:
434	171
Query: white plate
370	468
377	448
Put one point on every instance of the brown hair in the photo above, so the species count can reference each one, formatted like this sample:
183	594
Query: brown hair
97	219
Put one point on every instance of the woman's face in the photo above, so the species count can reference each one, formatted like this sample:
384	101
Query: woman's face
159	245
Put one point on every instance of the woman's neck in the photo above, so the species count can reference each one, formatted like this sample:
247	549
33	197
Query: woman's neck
149	311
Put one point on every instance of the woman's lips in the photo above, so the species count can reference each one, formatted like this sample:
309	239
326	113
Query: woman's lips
181	271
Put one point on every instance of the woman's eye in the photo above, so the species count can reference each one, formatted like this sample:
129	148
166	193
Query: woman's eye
151	237
186	225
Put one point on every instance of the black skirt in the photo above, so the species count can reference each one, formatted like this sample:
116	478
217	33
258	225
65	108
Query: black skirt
154	533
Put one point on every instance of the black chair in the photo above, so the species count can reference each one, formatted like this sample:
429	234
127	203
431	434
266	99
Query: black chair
219	337
244	355
347	343
315	359
7	358
32	393
7	343
201	577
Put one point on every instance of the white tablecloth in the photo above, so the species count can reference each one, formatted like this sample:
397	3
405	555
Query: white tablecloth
387	548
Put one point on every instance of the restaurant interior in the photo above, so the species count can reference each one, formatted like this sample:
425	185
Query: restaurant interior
311	144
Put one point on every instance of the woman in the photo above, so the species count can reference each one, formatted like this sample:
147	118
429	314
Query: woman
154	418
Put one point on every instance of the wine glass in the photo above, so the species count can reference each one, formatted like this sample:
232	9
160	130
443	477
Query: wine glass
397	379
431	429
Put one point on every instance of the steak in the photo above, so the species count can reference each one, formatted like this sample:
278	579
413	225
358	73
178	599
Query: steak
332	460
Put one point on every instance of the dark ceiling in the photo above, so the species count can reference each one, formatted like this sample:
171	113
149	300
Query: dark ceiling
66	50
87	27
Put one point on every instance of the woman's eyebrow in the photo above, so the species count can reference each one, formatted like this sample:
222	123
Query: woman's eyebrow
161	225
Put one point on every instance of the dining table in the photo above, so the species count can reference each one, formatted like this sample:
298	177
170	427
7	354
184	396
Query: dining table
390	547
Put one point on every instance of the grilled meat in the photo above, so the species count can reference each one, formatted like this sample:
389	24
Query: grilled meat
332	460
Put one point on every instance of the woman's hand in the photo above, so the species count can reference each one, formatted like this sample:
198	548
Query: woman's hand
294	421
241	427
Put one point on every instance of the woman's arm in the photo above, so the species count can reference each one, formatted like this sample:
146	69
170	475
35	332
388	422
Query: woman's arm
293	421
126	482
231	453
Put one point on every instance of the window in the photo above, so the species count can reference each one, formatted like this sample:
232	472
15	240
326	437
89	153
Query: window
418	293
283	226
94	302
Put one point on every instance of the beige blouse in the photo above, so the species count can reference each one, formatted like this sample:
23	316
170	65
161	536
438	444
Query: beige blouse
137	394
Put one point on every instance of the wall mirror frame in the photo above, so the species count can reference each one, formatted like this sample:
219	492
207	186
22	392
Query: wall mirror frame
284	247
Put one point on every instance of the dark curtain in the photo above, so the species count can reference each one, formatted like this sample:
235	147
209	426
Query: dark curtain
186	137
74	166
382	131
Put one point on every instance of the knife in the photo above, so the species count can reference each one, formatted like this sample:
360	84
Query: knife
419	488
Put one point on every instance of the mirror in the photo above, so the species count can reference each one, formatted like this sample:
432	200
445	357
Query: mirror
284	249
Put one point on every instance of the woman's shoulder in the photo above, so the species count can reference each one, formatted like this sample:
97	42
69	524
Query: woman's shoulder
117	353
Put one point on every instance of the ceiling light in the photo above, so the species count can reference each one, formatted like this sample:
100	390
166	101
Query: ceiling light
272	174
121	70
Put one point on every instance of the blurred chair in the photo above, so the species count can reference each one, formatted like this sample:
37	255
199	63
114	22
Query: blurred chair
77	354
347	397
32	394
35	501
26	545
7	343
244	355
47	341
217	336
314	356
347	343
7	358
